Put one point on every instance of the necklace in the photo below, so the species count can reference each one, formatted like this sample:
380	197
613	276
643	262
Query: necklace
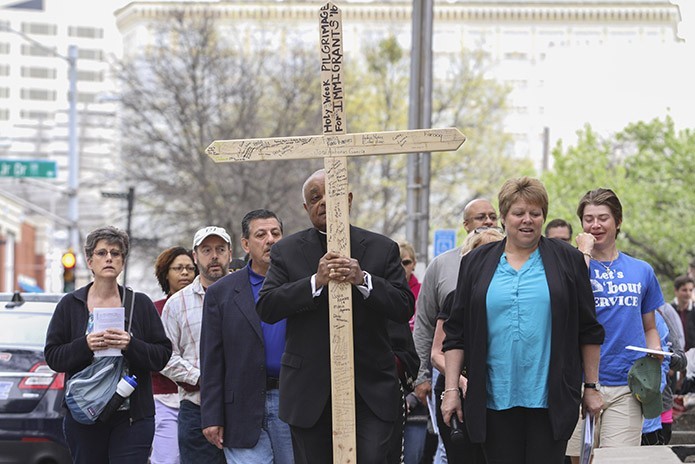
607	267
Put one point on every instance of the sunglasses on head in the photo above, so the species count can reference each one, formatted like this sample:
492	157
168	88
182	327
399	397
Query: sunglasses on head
406	262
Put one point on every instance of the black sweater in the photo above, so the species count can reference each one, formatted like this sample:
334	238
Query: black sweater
149	349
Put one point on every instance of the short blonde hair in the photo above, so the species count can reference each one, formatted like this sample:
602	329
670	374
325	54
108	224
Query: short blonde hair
408	248
480	236
524	188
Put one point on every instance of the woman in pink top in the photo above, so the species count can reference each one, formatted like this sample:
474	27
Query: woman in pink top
174	270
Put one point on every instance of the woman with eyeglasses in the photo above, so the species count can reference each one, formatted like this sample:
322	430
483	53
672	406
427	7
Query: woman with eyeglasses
71	344
174	269
524	329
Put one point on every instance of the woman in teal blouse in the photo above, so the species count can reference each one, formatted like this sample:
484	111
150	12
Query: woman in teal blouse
524	316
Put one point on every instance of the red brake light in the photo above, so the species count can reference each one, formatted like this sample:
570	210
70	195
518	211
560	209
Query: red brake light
44	380
59	382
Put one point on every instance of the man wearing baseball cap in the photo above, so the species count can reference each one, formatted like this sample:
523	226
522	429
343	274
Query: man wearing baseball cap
182	317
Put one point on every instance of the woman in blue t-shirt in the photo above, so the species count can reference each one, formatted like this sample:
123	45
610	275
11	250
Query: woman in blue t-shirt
626	294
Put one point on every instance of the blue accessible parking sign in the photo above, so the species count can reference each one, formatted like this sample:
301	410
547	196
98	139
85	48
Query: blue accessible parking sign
444	240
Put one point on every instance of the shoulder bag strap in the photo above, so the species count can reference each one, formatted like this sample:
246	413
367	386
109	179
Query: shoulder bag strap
130	292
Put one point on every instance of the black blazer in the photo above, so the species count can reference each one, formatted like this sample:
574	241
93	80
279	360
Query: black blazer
573	324
232	361
305	373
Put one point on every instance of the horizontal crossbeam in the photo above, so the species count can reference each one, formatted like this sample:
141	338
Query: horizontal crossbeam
348	145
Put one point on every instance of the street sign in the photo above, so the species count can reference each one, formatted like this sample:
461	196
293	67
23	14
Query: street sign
444	240
28	168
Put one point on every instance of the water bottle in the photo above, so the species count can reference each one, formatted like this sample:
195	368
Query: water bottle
125	387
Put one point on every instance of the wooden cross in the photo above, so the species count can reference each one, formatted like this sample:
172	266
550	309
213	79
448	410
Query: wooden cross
335	146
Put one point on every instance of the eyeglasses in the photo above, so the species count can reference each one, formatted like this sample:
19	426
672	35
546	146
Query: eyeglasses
208	250
180	269
115	254
406	262
482	229
481	217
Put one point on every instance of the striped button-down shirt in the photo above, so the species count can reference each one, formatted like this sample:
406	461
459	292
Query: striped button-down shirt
182	317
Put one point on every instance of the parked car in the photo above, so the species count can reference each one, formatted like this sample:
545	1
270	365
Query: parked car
31	394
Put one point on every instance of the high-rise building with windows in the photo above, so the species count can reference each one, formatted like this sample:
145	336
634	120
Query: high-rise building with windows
34	96
566	62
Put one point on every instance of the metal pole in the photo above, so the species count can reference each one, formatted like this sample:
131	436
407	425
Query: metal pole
131	201
420	117
425	122
413	177
73	152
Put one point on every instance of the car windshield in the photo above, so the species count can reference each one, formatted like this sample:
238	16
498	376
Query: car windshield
23	329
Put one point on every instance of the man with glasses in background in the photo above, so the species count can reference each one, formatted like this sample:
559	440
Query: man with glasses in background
182	317
440	279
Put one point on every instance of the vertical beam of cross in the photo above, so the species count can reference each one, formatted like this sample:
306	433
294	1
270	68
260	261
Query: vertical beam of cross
338	230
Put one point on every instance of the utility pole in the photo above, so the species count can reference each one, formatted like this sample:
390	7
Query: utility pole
73	152
420	117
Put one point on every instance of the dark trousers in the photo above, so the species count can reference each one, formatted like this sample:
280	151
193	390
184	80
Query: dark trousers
313	445
522	435
194	448
462	450
113	441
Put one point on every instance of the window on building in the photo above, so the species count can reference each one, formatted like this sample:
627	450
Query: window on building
92	76
4	114
85	97
4	92
4	69
86	32
33	50
4	48
90	54
39	28
38	72
31	114
515	56
38	94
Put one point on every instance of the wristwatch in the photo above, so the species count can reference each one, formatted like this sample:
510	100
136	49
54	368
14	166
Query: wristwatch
595	385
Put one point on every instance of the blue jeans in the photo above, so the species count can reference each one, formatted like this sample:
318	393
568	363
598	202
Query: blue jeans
194	448
275	443
414	438
116	440
440	455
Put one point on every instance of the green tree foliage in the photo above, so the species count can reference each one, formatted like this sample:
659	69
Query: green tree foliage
650	167
463	97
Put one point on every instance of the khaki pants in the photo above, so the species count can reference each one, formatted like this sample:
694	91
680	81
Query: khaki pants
620	423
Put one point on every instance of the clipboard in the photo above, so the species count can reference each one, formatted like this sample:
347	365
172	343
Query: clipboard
648	350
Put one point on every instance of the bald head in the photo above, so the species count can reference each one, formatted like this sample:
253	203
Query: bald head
314	197
479	213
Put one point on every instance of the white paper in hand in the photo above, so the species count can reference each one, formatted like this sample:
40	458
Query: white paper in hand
108	318
587	439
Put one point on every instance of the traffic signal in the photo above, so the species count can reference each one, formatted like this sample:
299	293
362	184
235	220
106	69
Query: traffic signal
68	261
